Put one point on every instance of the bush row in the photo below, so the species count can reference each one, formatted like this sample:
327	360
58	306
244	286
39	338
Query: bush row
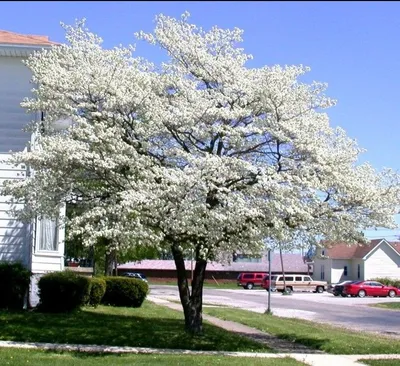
14	285
388	281
68	291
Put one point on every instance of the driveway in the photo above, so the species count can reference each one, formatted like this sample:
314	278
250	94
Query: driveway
353	313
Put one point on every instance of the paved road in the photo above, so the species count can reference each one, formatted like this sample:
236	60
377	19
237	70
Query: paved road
352	313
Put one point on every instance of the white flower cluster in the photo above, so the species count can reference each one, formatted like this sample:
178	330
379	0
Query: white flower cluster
203	151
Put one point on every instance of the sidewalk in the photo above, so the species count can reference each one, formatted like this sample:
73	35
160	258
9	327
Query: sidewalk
309	359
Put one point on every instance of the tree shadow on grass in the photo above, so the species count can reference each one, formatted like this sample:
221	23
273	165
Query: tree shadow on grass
287	343
309	342
101	328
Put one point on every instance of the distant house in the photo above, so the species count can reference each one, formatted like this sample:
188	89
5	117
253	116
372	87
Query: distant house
293	263
340	262
39	245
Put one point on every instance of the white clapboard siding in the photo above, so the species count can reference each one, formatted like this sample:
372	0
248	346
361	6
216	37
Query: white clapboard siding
6	215
14	87
12	173
6	206
382	262
18	241
11	232
14	235
43	263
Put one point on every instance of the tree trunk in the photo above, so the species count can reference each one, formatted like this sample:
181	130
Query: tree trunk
192	303
110	263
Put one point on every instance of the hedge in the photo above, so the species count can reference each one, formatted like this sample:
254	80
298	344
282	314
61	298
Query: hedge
388	281
63	291
97	291
14	285
123	291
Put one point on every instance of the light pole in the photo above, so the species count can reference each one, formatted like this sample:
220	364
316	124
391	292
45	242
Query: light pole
269	282
191	263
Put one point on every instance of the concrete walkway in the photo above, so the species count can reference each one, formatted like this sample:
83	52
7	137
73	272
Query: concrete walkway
309	359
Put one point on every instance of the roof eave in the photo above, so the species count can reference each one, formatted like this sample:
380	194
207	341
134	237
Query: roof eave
18	50
376	247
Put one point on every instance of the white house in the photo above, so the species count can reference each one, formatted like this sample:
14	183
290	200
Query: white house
339	262
39	245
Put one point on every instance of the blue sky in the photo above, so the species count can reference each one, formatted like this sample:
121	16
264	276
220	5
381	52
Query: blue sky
353	46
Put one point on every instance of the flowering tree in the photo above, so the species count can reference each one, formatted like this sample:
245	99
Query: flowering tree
202	153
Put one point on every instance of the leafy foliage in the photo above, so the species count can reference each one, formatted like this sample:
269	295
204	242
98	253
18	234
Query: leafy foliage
388	281
122	291
97	291
14	285
63	291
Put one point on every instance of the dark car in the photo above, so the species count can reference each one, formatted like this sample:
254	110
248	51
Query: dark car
337	290
139	276
370	288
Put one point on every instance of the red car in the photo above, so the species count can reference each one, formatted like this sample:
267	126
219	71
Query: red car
370	288
249	280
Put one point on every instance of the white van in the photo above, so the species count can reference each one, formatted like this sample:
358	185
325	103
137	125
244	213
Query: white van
294	282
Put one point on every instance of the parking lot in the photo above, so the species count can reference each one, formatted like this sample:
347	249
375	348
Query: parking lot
353	313
325	298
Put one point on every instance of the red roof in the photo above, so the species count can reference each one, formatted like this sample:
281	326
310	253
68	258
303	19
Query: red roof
346	251
12	38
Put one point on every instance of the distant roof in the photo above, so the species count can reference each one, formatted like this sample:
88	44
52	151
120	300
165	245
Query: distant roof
346	251
291	263
11	38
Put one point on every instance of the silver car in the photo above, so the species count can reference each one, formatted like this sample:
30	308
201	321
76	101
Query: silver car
139	276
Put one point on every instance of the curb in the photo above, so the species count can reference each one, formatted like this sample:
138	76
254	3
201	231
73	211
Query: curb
133	350
310	359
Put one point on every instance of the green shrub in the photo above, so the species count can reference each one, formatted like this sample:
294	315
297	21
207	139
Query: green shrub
63	291
14	285
388	281
97	291
123	291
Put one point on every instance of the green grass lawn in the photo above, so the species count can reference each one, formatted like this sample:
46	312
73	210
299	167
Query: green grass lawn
149	326
388	305
19	357
314	335
389	362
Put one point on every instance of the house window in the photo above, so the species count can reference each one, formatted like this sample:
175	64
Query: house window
322	272
244	258
345	271
323	252
358	271
48	238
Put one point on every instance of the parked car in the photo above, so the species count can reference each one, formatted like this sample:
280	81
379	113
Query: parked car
370	288
250	279
137	275
337	289
295	282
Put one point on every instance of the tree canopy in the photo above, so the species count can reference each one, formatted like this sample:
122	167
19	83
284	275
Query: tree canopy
200	152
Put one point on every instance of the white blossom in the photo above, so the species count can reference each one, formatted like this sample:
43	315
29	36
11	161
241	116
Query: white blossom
205	151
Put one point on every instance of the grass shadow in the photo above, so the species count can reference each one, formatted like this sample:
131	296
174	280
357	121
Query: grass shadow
148	326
